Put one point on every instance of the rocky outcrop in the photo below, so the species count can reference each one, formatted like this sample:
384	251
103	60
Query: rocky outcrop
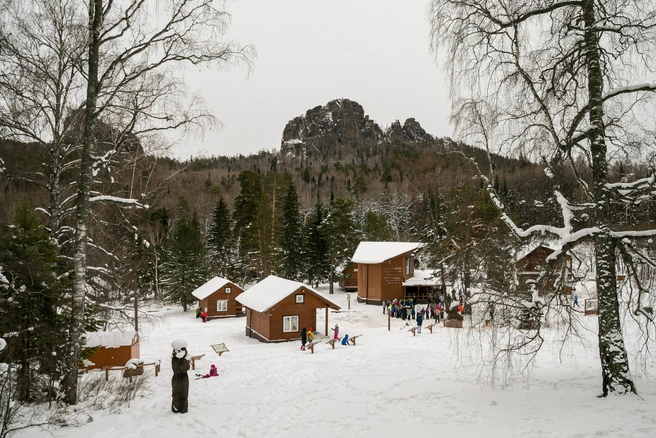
340	121
411	131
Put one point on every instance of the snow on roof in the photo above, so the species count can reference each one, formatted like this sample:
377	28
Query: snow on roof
422	278
111	339
272	290
378	252
210	287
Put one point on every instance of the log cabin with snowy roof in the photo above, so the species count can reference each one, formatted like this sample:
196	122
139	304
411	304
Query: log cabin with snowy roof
278	309
385	270
217	298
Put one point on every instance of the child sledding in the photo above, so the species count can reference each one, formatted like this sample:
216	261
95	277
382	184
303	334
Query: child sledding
213	373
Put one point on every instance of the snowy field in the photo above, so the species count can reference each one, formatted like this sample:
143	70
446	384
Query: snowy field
391	384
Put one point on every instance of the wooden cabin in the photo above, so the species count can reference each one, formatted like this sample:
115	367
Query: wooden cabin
349	280
111	348
278	309
217	297
383	267
530	266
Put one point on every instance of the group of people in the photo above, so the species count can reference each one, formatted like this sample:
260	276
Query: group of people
201	314
307	336
406	309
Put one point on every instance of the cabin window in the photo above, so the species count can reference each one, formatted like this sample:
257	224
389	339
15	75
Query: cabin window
290	324
228	290
355	270
222	306
300	298
408	265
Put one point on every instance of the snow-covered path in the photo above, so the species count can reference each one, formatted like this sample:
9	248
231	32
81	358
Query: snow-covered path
391	384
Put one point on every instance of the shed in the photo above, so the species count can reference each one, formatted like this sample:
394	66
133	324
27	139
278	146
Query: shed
111	348
383	267
349	280
218	296
277	309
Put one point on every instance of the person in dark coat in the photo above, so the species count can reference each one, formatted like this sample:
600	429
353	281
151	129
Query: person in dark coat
303	338
345	339
420	319
180	380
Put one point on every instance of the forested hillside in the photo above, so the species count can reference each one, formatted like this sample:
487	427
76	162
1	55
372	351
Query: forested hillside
270	212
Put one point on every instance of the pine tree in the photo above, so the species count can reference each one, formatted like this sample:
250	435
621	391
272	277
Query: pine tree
317	266
221	241
341	235
291	236
183	268
30	300
248	224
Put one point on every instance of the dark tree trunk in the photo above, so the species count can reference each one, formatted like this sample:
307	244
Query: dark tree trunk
614	359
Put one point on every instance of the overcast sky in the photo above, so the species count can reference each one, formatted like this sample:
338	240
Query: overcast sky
309	52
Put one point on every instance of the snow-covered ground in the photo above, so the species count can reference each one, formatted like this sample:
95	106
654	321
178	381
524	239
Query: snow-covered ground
391	384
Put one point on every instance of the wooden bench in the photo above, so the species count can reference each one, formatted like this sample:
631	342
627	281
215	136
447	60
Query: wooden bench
332	342
220	348
311	345
128	372
414	331
193	360
353	338
430	326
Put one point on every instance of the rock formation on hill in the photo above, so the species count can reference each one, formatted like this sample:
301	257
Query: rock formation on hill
344	122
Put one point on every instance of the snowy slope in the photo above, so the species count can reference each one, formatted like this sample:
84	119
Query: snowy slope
391	384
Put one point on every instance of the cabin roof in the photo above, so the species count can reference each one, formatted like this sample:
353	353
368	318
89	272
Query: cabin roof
272	290
210	287
371	253
110	339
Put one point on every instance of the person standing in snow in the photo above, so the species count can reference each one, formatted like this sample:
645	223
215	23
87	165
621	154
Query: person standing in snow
203	316
303	338
420	320
310	335
576	301
336	331
180	379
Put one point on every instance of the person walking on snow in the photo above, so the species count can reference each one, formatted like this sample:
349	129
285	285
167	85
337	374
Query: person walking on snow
310	335
420	319
303	338
576	301
336	330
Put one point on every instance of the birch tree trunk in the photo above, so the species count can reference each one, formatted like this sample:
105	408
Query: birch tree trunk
76	330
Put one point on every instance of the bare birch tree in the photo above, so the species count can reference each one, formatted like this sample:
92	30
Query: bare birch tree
135	44
554	79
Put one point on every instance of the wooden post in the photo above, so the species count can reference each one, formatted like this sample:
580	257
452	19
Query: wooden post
327	308
106	374
389	319
156	369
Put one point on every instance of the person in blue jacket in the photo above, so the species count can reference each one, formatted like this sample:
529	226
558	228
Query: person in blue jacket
420	319
345	340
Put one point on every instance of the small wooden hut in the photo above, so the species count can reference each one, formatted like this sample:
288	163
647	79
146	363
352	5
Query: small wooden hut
278	309
218	296
349	280
112	348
